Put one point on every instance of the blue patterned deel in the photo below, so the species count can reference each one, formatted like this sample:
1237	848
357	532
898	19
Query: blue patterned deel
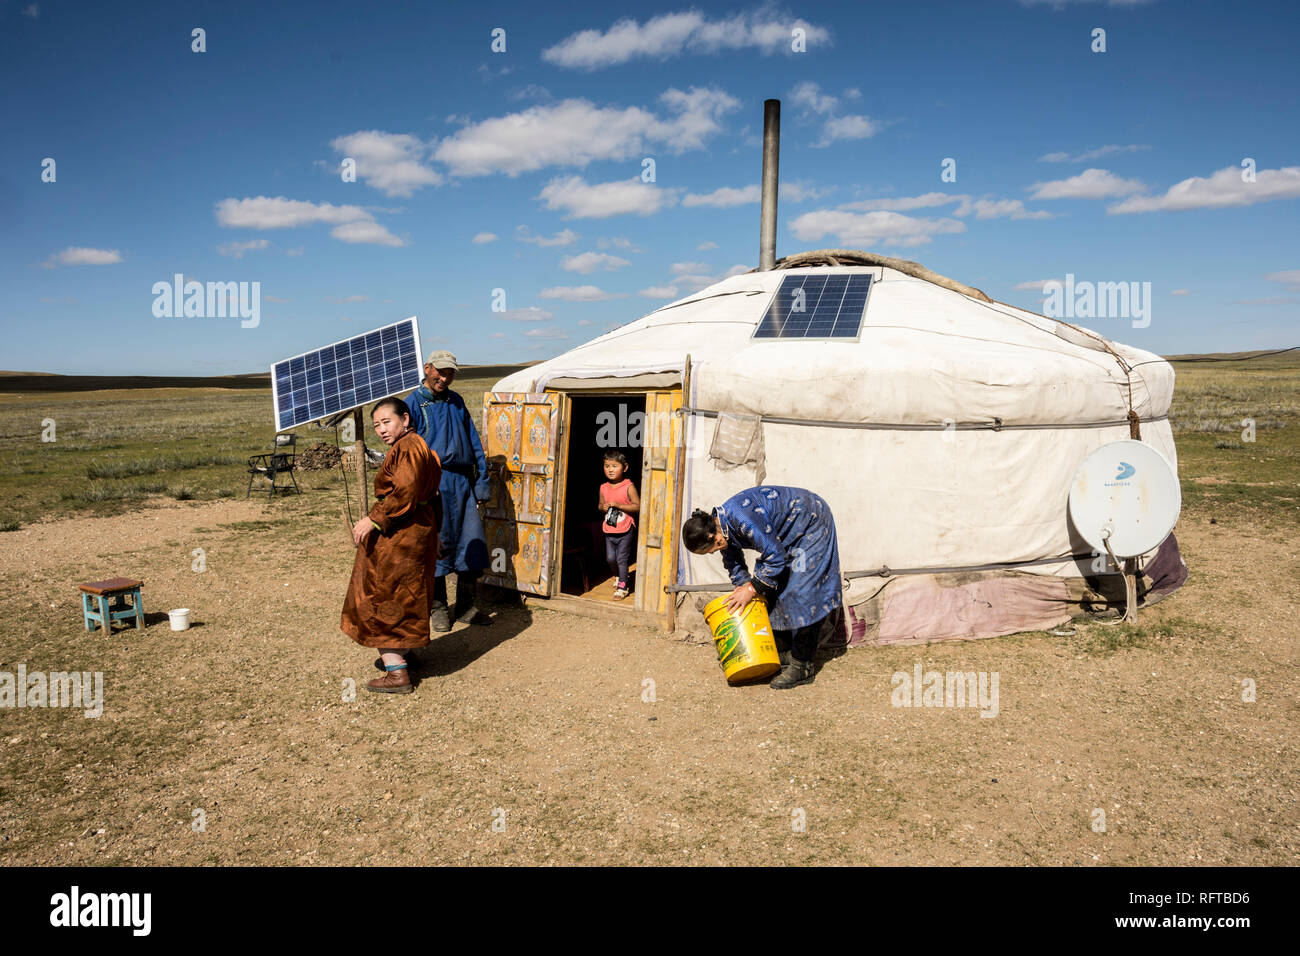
816	306
346	374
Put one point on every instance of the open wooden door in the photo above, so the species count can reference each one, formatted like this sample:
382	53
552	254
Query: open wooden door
521	439
657	542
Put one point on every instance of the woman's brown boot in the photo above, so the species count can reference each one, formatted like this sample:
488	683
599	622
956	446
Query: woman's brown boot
394	682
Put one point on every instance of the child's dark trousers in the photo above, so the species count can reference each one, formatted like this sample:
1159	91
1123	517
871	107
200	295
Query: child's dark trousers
618	552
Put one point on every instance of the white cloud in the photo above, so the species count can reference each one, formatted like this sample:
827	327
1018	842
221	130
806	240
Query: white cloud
727	196
580	200
365	232
484	237
814	104
83	256
660	292
353	224
530	314
576	132
904	203
1290	277
237	249
691	277
616	242
529	91
1218	191
723	197
999	209
1181	292
673	34
797	191
347	298
588	262
809	96
1089	184
1060	4
1098	153
263	212
847	127
864	230
391	162
1035	286
296	251
690	284
966	204
545	334
565	237
706	246
580	293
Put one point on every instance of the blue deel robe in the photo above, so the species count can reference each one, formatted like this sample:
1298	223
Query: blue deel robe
445	425
794	533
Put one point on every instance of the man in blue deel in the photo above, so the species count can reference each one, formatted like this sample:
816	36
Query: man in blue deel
443	421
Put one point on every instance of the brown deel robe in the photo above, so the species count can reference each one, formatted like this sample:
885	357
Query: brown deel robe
388	600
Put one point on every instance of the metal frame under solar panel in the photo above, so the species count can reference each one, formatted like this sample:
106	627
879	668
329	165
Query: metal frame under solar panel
317	386
817	328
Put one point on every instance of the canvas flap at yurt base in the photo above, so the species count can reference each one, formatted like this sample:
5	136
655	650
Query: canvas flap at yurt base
945	438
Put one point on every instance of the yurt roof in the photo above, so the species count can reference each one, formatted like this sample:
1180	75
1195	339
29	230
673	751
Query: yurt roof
930	349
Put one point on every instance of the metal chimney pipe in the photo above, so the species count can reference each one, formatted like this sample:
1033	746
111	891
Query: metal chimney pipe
771	160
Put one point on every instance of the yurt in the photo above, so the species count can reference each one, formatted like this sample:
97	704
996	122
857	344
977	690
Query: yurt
943	428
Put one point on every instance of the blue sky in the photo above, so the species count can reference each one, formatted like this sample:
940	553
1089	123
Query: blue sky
522	170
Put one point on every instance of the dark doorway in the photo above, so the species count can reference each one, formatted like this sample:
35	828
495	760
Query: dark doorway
596	424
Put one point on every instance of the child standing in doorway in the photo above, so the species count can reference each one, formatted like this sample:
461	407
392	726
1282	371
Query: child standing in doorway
618	502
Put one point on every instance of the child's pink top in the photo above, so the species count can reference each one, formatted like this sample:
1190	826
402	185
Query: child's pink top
617	495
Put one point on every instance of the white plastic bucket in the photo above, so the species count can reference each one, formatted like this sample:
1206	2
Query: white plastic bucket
180	619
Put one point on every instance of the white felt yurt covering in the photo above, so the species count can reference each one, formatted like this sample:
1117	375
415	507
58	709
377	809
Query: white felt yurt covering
945	440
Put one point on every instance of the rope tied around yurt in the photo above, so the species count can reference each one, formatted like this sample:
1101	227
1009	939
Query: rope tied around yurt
996	425
885	571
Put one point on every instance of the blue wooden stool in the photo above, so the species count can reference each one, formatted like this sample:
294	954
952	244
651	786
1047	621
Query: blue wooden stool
103	602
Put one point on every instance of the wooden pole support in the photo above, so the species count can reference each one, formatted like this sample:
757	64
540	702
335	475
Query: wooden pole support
1130	590
359	453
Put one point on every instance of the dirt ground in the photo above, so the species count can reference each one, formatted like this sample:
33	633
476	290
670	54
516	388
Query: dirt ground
545	738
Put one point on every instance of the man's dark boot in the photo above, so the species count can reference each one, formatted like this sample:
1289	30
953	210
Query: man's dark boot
439	618
467	598
792	675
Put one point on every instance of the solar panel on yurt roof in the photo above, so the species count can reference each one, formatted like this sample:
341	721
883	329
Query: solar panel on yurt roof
347	374
816	306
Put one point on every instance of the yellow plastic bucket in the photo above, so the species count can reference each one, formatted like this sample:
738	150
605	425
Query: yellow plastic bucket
744	641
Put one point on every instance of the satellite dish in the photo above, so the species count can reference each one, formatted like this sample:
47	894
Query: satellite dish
1125	498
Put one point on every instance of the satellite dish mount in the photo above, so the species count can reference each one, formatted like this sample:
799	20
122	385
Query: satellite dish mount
1124	501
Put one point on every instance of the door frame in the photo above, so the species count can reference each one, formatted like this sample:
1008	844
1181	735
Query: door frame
669	547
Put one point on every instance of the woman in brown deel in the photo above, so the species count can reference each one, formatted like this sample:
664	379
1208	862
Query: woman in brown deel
389	597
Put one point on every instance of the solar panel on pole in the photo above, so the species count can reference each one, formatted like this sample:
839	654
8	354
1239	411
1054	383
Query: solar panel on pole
346	374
